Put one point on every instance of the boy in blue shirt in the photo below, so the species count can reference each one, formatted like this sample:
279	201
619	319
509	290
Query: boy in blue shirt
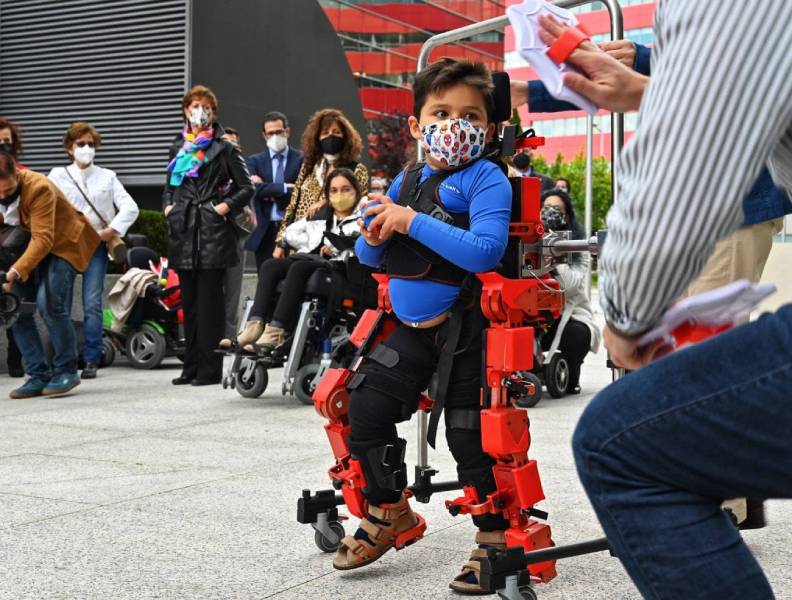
439	224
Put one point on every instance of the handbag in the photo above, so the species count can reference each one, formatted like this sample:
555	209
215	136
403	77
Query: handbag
116	247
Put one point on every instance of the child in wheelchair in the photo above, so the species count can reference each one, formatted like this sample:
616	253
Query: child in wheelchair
282	281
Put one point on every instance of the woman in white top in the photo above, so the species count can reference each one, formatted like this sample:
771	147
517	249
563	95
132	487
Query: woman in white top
579	332
97	193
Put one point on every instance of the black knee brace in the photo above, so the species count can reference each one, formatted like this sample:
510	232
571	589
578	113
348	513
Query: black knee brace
384	469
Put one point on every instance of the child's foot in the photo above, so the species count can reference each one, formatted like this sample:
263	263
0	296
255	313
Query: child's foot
272	337
386	526
468	582
251	332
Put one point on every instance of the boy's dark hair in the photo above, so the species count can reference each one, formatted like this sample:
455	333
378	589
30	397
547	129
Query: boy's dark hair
275	115
448	72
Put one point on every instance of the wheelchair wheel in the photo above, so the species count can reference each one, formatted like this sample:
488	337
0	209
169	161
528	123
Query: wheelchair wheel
304	384
525	593
108	353
251	384
146	347
557	376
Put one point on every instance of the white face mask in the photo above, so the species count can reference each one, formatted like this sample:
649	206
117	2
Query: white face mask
84	155
199	117
277	143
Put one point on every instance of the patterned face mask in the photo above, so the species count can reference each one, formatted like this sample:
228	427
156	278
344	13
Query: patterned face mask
453	142
553	218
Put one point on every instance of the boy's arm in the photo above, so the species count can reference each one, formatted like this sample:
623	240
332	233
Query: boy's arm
481	248
369	255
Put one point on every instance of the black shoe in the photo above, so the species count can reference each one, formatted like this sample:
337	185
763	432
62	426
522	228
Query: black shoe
16	371
755	515
205	381
89	372
182	380
575	389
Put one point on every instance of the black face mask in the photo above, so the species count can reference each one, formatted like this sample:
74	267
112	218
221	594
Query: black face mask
553	218
332	144
9	200
7	147
522	161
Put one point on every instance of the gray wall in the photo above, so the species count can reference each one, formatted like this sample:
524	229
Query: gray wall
262	55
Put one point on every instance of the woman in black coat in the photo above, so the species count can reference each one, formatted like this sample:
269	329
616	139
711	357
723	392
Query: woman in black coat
208	186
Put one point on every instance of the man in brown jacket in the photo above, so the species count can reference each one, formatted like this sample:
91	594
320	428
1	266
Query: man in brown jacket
62	242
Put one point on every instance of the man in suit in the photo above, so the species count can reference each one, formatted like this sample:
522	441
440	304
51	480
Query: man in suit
273	172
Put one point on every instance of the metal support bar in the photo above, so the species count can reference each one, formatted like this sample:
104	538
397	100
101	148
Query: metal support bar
568	551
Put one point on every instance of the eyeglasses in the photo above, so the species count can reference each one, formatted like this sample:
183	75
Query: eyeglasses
84	144
276	132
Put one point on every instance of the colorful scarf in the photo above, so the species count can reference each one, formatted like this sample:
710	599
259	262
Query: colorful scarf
191	156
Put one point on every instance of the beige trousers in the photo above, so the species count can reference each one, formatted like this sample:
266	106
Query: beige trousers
742	255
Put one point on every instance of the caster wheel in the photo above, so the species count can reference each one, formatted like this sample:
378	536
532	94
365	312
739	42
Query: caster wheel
108	353
526	593
251	385
324	544
532	400
305	384
557	376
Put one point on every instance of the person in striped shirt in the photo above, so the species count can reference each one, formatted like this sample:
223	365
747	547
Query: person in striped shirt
658	450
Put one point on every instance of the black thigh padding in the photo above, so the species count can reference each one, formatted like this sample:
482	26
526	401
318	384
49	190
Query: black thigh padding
384	466
468	419
382	354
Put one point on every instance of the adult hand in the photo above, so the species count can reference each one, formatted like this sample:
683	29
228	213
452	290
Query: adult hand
256	179
389	218
519	93
314	208
603	79
11	276
222	209
622	50
168	209
279	252
108	233
326	251
625	352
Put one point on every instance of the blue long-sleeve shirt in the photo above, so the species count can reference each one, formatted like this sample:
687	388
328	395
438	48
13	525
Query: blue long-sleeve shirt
764	202
480	190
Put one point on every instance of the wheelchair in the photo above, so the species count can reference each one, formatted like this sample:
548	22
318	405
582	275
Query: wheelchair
155	328
334	299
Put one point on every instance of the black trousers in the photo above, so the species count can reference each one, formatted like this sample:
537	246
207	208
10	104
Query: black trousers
204	322
267	246
575	345
295	272
14	357
390	394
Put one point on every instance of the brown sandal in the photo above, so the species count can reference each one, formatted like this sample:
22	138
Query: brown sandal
387	526
468	582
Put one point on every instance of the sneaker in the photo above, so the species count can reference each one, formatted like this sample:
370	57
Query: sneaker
30	389
89	372
61	384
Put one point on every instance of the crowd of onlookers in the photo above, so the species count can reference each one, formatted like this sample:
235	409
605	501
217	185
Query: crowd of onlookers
274	206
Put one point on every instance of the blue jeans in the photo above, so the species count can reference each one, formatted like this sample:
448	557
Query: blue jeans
659	450
55	307
92	289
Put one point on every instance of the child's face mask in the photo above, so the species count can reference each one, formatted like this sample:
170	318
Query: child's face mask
553	218
343	201
453	142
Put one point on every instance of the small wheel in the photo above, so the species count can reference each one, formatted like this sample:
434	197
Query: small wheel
526	592
146	347
557	376
253	384
304	384
532	400
323	543
108	353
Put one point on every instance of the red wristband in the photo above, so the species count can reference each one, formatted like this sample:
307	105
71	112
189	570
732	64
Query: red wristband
566	44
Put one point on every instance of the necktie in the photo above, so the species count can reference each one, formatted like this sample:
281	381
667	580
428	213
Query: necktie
277	215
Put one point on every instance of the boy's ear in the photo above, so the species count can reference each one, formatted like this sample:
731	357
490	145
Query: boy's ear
491	130
415	128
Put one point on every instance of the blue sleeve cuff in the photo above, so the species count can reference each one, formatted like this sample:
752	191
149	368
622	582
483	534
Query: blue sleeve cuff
643	59
541	101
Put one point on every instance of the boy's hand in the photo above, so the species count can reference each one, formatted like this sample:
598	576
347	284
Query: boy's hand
389	218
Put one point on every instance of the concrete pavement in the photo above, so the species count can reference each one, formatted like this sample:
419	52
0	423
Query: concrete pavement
133	488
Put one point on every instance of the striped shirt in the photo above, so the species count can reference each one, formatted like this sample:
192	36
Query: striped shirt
718	108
